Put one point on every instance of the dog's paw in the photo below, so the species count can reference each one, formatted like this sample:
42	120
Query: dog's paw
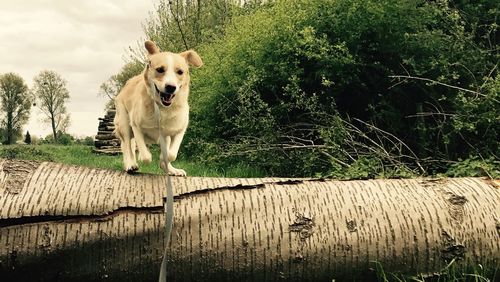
132	168
168	168
176	171
146	157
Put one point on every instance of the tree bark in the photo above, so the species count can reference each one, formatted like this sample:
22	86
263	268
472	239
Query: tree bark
10	130
69	223
53	123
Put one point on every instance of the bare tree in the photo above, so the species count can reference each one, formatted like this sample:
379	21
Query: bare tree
16	105
52	96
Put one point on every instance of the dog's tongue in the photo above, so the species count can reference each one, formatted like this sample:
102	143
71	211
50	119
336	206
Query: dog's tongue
166	99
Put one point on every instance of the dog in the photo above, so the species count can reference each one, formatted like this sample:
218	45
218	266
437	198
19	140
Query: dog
164	81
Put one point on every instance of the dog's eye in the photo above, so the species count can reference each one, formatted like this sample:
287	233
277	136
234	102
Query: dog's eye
180	72
160	70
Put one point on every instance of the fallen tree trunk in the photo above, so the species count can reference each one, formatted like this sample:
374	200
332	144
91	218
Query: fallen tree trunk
69	223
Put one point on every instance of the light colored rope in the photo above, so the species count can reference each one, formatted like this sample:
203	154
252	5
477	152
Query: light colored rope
169	206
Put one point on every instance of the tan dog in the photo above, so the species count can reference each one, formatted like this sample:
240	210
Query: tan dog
164	81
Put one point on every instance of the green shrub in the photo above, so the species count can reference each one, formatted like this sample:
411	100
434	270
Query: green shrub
476	121
475	166
65	138
25	152
87	141
309	92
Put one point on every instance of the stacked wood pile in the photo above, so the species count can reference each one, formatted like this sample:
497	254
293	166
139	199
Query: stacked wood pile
105	141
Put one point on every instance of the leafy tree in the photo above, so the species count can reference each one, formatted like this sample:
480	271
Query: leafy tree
311	91
480	20
65	138
27	138
111	87
179	25
52	96
15	106
87	141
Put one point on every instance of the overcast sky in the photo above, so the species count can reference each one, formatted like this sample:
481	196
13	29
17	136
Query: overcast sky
84	41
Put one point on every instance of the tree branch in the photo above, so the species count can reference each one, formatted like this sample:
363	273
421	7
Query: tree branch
442	84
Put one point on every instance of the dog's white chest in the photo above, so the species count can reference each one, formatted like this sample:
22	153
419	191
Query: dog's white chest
174	120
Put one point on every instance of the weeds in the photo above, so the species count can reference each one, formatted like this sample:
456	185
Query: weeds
452	272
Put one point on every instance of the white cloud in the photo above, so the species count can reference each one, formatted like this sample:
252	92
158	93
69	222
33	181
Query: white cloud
84	41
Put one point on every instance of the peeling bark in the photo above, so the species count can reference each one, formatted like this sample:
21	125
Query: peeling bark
69	223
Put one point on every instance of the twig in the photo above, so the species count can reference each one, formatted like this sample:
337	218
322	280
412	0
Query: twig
178	23
399	140
442	84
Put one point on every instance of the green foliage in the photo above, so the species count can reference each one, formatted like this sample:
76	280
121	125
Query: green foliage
480	19
64	138
87	141
49	139
15	106
475	166
371	167
477	118
310	92
25	152
180	25
454	271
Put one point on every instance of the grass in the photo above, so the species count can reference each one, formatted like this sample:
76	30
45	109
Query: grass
453	272
82	155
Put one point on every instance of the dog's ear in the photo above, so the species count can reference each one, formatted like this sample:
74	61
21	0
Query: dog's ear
192	58
151	47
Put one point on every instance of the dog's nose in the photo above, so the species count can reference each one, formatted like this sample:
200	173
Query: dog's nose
170	89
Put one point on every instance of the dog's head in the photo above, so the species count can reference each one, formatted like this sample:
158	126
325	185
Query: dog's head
167	74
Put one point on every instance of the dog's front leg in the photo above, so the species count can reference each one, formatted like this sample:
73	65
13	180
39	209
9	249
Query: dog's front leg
144	154
173	145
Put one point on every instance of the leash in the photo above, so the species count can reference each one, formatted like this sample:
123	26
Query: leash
169	205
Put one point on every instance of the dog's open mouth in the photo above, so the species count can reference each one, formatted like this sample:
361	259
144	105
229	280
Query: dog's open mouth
165	98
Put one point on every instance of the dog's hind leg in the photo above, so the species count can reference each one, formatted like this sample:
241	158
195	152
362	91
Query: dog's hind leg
133	148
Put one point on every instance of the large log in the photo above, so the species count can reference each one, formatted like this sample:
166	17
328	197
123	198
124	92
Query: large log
107	150
105	137
112	142
106	120
69	223
106	127
105	132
